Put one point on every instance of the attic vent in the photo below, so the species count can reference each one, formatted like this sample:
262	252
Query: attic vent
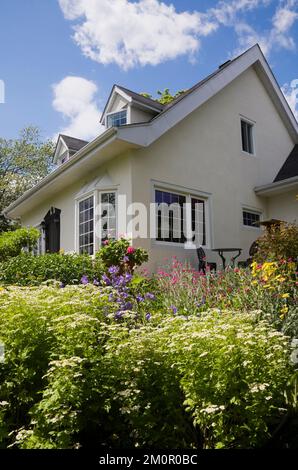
224	64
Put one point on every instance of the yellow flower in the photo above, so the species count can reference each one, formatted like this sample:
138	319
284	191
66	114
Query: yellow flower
285	296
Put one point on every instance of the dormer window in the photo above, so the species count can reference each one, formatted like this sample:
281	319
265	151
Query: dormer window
117	119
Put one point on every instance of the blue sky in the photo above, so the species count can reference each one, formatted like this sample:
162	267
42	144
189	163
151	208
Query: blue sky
60	58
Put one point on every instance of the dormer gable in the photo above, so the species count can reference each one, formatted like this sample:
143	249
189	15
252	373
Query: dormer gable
127	107
66	147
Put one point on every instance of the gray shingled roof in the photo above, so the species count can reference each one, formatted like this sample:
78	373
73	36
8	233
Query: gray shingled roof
290	167
142	99
73	144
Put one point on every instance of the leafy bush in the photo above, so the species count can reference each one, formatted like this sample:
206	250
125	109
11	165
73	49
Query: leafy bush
29	270
74	376
12	243
120	253
278	242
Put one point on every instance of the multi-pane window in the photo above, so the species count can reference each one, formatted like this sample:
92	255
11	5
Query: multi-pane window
86	226
247	136
117	119
108	216
171	217
198	222
250	219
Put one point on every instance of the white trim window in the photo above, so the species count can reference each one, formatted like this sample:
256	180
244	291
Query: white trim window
108	216
39	249
247	136
176	214
86	225
250	218
97	220
117	119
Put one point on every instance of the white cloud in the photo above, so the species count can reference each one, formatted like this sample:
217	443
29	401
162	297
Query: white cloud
75	98
135	33
278	36
290	90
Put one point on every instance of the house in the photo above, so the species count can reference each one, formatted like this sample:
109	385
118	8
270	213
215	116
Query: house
226	150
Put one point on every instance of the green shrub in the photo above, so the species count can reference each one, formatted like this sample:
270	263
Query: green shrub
74	376
29	270
120	253
12	243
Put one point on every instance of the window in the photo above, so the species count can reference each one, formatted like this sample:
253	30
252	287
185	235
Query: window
108	214
86	226
39	248
250	218
171	217
117	119
247	137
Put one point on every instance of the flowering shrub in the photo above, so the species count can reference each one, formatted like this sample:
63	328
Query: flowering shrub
75	377
12	243
276	282
120	253
29	270
278	242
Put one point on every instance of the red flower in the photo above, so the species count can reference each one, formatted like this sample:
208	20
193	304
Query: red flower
130	250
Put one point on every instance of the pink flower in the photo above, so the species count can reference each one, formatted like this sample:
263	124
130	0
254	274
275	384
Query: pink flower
106	242
130	250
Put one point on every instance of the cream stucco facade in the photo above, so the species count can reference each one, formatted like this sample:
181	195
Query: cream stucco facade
194	148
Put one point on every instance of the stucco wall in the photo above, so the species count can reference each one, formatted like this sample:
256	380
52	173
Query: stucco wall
284	206
203	153
117	170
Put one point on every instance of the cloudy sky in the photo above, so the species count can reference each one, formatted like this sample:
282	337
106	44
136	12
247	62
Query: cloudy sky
60	58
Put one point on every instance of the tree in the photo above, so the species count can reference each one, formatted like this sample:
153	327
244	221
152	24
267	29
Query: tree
23	162
165	96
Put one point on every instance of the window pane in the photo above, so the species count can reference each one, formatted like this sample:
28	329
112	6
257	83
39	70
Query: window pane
117	119
247	137
86	225
250	218
170	216
108	228
198	224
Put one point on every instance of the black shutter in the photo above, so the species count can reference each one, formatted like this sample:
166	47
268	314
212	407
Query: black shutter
52	230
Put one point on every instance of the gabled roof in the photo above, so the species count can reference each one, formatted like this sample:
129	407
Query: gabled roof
290	167
73	143
131	96
142	99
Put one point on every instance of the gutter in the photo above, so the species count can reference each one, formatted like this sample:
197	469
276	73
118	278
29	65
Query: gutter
101	139
277	186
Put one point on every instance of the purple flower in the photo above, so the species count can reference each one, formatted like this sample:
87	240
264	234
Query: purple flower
96	282
174	309
111	297
128	277
113	269
139	298
150	296
202	302
148	316
61	285
125	259
84	280
118	315
128	306
106	279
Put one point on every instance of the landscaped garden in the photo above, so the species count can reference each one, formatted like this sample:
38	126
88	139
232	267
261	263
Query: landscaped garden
100	354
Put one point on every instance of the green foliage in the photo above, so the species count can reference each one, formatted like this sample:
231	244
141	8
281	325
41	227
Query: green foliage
120	253
12	243
29	270
23	162
165	97
74	376
278	242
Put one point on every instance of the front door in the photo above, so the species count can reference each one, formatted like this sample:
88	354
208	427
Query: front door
52	230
